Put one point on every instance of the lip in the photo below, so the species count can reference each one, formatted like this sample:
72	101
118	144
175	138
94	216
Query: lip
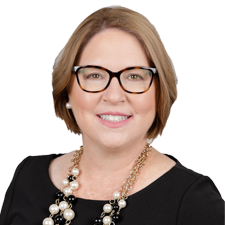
114	124
113	113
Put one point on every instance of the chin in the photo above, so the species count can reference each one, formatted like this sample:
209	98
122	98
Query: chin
115	141
112	143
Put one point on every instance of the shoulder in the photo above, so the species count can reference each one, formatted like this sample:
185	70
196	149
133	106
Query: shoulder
34	172
37	161
29	177
33	161
33	166
191	180
200	201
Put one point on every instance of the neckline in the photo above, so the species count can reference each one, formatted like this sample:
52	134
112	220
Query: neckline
136	194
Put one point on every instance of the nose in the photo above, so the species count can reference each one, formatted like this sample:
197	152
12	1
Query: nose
114	93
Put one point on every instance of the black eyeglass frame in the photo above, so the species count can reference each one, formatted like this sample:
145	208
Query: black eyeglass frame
114	74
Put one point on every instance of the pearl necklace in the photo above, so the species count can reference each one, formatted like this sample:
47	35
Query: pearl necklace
61	212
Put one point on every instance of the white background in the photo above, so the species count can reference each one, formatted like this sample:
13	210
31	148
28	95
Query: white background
33	33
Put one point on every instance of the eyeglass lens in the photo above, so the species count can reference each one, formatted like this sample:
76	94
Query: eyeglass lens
95	79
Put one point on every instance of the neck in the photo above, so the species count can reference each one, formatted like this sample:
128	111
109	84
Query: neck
105	160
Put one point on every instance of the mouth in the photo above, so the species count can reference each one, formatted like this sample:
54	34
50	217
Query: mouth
113	118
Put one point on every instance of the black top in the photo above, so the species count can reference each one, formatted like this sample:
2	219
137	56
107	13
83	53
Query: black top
179	197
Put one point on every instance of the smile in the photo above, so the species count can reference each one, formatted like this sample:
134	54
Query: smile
113	118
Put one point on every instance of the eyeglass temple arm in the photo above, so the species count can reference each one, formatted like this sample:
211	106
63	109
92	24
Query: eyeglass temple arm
154	70
75	68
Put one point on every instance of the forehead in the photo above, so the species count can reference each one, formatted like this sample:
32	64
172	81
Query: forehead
113	49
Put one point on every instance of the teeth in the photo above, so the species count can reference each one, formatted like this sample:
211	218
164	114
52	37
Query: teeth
112	118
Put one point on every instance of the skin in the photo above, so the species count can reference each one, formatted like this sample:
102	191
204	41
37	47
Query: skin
103	50
109	153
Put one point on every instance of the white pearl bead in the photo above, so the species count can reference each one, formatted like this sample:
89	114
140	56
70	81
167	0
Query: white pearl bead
74	185
75	171
69	214
116	195
63	205
107	208
65	182
54	209
48	221
68	105
107	220
68	191
122	203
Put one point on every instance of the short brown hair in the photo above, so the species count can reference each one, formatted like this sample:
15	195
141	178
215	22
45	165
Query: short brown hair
135	24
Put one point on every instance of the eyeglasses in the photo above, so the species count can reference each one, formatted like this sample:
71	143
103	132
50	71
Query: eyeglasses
134	80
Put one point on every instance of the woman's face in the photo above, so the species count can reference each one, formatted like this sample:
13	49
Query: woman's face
115	50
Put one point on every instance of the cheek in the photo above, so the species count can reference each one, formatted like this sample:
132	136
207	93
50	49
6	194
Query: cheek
146	109
145	103
82	102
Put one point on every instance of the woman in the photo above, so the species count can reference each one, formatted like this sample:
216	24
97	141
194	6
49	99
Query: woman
115	84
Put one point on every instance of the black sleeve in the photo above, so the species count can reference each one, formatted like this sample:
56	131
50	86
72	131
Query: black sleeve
9	194
201	204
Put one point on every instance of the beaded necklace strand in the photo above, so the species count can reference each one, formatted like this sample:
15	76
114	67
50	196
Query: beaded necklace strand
61	212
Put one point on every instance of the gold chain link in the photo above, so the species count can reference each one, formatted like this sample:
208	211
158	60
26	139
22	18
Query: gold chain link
128	183
139	163
76	158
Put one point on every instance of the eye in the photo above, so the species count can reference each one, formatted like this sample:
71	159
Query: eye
93	76
135	77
